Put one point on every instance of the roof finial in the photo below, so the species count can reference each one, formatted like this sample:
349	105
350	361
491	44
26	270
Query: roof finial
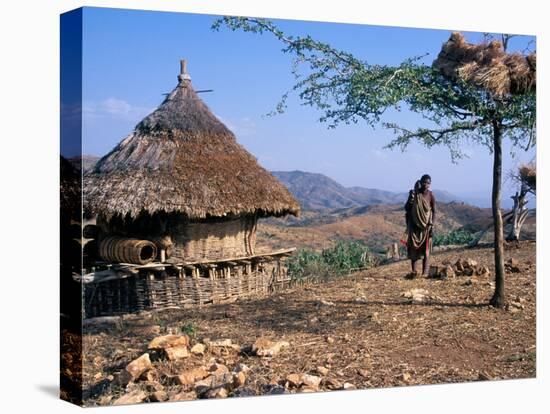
183	76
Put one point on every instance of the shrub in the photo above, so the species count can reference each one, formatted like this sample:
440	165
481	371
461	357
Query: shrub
335	261
453	237
190	329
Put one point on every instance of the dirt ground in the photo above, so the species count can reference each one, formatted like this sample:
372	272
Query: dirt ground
359	329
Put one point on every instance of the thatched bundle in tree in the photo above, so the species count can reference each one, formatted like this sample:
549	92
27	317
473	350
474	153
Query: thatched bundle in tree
182	174
488	66
528	175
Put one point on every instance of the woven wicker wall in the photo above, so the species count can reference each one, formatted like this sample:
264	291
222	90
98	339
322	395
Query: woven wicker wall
209	239
161	290
214	240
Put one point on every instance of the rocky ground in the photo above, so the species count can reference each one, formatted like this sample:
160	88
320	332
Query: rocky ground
367	330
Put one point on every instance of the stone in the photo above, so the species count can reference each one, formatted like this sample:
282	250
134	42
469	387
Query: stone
177	352
220	342
330	339
244	392
406	377
361	299
149	376
275	390
484	377
204	385
105	400
222	380
218	369
152	386
322	370
363	372
183	396
415	295
323	302
168	341
348	386
189	377
219	392
135	369
469	263
294	380
264	347
311	381
468	271
133	397
239	379
447	272
434	271
240	367
198	349
159	396
331	384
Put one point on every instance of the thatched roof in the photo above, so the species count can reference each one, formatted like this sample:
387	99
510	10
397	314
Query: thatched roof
182	159
488	66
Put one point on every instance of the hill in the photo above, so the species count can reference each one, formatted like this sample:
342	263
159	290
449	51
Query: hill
376	225
318	192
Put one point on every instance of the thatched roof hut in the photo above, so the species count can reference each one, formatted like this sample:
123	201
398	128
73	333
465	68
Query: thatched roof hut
182	159
488	66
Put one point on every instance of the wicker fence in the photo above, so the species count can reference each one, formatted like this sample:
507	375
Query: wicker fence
188	287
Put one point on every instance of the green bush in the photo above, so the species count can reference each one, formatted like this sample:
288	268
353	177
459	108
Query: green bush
335	261
190	329
453	237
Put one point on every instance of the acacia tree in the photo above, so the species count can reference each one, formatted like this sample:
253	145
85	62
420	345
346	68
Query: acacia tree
347	89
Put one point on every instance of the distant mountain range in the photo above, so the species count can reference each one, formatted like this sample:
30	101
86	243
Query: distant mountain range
318	192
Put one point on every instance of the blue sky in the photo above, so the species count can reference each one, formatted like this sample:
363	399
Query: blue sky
130	58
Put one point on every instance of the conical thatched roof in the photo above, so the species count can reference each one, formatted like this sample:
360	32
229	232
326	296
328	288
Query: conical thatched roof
488	66
182	159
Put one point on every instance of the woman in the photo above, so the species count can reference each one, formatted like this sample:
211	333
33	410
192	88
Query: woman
420	214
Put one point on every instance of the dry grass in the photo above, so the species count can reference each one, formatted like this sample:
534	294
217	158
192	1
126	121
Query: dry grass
488	66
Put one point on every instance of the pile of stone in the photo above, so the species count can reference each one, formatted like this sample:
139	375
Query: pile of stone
142	382
306	383
462	267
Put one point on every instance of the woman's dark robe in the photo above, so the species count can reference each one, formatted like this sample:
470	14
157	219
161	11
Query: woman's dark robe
420	210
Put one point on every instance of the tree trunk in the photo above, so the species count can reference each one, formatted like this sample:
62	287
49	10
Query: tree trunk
519	214
498	299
